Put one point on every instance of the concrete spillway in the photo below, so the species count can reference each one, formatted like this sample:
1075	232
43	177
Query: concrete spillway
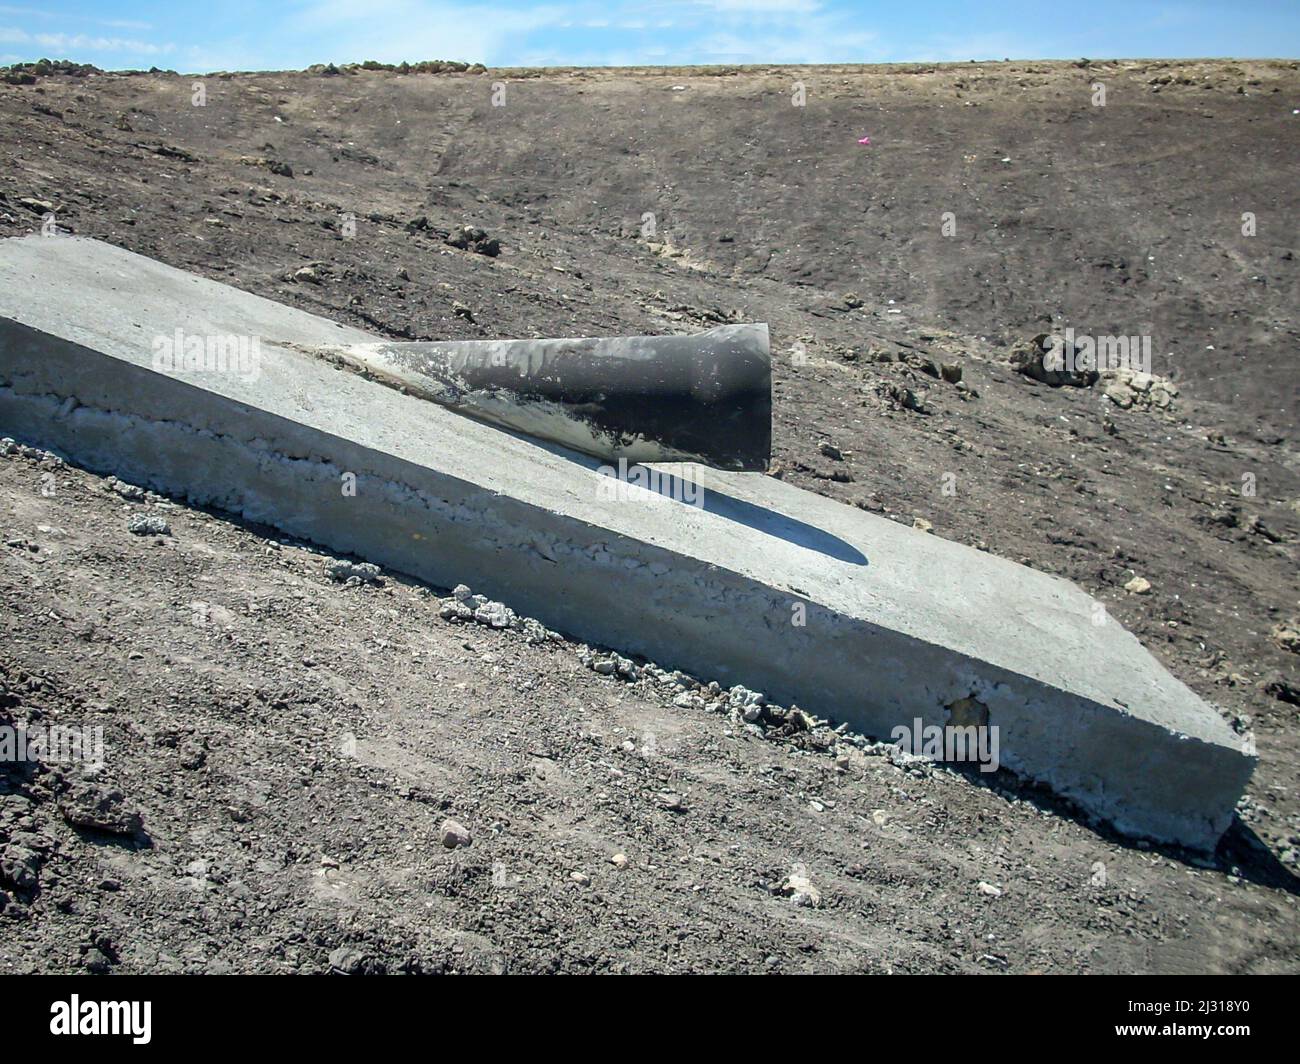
852	616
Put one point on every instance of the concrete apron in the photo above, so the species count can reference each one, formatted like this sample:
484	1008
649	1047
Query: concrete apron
897	624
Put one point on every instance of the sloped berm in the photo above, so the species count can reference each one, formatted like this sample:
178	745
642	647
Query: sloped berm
750	581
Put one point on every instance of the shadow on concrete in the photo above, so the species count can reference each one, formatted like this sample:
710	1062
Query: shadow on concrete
778	525
686	492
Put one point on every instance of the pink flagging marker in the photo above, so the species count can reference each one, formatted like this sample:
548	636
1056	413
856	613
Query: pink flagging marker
865	141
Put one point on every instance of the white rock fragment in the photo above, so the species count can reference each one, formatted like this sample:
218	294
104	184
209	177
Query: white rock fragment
148	525
495	615
130	492
345	572
465	606
799	888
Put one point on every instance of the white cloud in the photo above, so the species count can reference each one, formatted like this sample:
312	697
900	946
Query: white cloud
124	24
36	12
394	30
753	7
955	49
810	45
81	42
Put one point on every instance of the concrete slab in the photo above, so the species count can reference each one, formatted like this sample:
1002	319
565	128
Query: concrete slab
896	624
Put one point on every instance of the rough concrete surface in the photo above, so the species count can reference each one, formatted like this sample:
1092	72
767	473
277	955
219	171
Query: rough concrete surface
283	745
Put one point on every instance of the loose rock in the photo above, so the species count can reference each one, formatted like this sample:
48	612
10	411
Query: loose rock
455	834
99	808
348	572
148	525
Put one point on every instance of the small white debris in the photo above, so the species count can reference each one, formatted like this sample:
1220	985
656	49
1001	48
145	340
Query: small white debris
131	492
148	525
800	890
495	615
345	572
672	801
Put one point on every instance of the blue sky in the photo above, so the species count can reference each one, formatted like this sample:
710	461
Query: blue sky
247	35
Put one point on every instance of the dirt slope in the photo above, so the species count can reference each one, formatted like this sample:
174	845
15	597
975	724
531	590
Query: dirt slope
293	746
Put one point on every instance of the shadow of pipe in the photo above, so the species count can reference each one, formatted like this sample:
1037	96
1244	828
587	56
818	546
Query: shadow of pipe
685	492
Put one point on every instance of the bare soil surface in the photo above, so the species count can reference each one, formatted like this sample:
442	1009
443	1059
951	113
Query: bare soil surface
282	749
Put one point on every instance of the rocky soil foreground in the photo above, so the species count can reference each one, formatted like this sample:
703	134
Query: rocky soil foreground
310	768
